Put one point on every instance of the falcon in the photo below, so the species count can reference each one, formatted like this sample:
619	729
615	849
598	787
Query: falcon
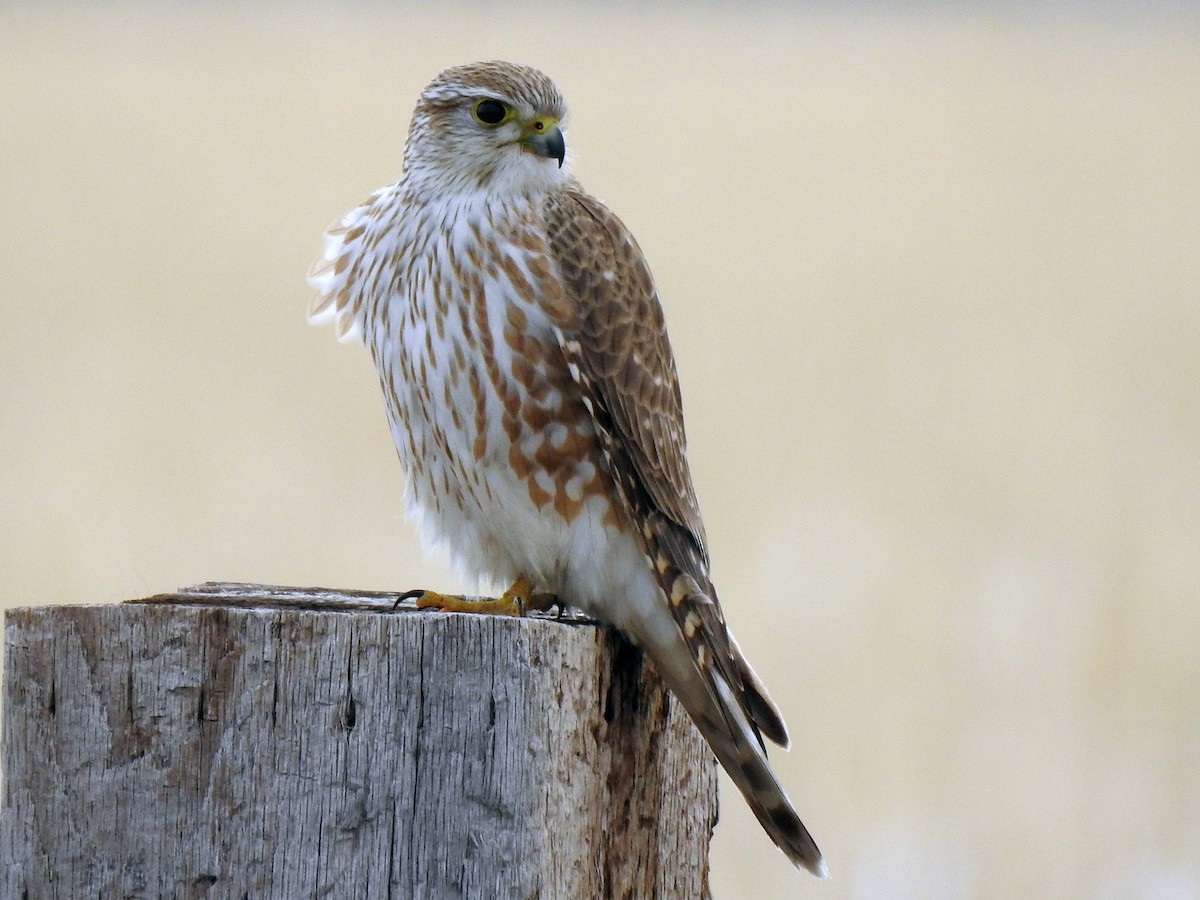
533	400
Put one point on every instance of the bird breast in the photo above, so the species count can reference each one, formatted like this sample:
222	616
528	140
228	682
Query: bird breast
500	450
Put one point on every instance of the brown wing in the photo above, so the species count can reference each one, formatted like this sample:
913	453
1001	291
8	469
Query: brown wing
618	341
616	344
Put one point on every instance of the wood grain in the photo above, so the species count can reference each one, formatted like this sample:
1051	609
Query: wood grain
242	740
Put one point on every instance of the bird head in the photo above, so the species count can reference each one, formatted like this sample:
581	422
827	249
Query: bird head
484	127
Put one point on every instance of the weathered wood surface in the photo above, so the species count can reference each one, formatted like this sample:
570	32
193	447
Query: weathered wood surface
249	741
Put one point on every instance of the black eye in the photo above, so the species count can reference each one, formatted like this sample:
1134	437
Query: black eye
490	112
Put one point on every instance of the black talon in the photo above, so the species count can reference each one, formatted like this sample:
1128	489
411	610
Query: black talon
408	595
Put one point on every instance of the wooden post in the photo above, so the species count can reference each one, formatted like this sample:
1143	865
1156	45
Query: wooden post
243	740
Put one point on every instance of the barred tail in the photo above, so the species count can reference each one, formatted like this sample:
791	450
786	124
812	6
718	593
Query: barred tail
746	762
687	666
705	668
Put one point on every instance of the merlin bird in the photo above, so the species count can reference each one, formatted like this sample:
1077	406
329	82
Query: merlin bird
533	399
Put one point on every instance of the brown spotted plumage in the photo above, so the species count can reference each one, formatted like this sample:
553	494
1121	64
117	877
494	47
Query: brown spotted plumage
533	399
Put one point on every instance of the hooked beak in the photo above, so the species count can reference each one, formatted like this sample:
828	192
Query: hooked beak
545	138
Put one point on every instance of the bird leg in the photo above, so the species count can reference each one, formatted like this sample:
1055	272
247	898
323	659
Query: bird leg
516	601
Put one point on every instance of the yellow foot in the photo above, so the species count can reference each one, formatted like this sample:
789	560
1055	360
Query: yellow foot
516	601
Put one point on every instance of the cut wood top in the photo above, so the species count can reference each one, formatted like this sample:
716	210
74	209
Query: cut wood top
317	599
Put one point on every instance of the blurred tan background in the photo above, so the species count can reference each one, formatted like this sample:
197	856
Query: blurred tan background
933	282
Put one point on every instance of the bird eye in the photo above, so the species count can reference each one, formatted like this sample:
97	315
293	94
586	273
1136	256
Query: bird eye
490	112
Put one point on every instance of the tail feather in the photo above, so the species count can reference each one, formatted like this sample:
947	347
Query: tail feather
706	670
732	731
759	705
746	762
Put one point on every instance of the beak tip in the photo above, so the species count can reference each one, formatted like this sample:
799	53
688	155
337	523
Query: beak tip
558	147
547	143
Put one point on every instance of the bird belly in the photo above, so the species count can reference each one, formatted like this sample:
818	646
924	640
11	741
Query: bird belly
504	465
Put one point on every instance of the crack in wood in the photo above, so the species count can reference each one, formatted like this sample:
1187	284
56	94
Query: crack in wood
245	741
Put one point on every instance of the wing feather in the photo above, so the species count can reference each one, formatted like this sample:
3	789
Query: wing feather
612	332
618	339
616	343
